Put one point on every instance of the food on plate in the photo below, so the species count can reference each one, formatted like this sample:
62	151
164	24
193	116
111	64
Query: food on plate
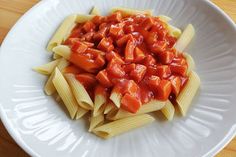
120	67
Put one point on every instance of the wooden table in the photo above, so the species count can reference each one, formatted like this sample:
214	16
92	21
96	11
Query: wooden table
12	10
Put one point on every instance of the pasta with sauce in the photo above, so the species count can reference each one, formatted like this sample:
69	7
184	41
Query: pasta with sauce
120	67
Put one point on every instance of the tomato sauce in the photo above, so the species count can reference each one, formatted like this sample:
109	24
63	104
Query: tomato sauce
131	55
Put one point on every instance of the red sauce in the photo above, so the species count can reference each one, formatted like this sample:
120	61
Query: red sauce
133	56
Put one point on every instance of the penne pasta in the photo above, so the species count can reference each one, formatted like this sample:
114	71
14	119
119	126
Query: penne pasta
81	112
188	92
128	11
80	18
100	100
80	93
56	56
96	121
62	50
57	97
62	32
110	107
116	98
65	93
168	110
48	68
49	87
164	18
123	125
95	11
190	62
99	103
62	64
174	31
185	38
151	106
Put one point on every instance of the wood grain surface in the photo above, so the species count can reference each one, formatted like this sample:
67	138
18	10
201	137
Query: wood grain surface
12	10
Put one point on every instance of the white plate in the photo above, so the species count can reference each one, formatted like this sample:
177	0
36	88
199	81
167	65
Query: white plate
41	127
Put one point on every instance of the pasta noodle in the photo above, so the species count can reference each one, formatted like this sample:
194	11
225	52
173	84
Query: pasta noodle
110	107
62	64
96	121
190	62
80	113
164	18
188	92
185	38
49	87
63	51
79	92
56	56
116	98
65	93
62	32
95	11
128	11
151	106
83	18
99	103
48	68
174	31
168	110
57	97
123	125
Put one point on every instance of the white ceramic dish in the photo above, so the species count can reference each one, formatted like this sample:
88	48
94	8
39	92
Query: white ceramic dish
41	127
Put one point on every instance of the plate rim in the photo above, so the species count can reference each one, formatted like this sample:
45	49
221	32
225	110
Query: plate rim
20	142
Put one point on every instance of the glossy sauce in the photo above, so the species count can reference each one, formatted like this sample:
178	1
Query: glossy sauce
133	56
